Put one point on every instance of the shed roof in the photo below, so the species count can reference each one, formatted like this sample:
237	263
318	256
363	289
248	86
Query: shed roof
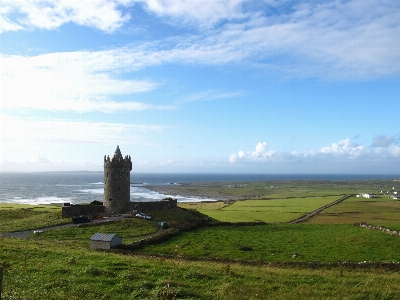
105	237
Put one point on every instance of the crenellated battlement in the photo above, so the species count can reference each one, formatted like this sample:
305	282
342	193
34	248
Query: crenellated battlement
118	162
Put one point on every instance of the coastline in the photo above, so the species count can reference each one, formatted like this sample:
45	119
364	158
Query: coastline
191	191
265	189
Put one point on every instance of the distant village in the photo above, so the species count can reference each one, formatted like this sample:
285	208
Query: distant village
394	193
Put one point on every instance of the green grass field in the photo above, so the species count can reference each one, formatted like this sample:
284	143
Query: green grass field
270	211
378	211
277	189
128	229
59	265
19	218
44	207
39	270
279	242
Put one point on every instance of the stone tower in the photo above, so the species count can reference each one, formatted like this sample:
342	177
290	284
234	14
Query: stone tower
117	179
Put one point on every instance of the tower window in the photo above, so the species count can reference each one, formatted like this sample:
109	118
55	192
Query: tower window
110	199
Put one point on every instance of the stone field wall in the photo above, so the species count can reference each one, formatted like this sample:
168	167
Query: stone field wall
68	211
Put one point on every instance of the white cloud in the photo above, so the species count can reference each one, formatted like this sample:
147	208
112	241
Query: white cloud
100	14
210	96
344	147
342	151
330	39
203	12
260	154
340	40
75	81
22	132
42	164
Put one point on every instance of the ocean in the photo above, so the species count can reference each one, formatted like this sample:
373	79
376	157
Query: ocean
84	187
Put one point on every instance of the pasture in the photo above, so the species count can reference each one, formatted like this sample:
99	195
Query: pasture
382	211
269	211
276	189
40	269
25	217
282	201
128	229
283	242
272	261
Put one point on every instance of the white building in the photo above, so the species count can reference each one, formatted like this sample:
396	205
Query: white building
104	241
370	195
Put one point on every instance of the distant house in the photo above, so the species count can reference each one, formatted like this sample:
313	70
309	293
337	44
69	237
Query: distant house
104	241
369	195
396	197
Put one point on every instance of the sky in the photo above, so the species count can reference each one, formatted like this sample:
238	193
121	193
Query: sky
201	86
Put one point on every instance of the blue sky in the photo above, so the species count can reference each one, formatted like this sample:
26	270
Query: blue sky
256	86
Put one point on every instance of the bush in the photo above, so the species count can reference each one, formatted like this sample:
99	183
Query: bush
96	202
245	248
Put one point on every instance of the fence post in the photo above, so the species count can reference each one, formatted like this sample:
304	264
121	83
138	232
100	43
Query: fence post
1	279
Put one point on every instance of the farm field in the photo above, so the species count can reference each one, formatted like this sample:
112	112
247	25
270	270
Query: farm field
382	210
283	242
378	211
286	201
275	189
270	211
128	229
271	261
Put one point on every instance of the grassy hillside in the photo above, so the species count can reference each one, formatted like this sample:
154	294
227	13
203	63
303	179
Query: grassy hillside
273	261
55	270
283	242
26	217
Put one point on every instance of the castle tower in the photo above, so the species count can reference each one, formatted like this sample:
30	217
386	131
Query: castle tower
117	179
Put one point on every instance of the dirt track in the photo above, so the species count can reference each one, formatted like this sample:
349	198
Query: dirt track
25	234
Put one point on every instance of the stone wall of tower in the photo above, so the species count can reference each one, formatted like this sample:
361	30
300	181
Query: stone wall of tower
117	183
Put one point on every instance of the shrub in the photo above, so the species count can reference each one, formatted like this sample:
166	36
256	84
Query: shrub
245	248
96	202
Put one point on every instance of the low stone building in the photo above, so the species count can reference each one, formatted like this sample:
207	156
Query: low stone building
104	241
71	210
151	205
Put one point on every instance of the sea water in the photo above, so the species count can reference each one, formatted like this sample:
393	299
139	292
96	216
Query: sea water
84	187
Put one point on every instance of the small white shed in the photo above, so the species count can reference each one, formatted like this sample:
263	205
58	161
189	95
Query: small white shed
104	241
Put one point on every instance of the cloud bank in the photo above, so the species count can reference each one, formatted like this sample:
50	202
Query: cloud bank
344	150
72	81
100	14
340	40
17	132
